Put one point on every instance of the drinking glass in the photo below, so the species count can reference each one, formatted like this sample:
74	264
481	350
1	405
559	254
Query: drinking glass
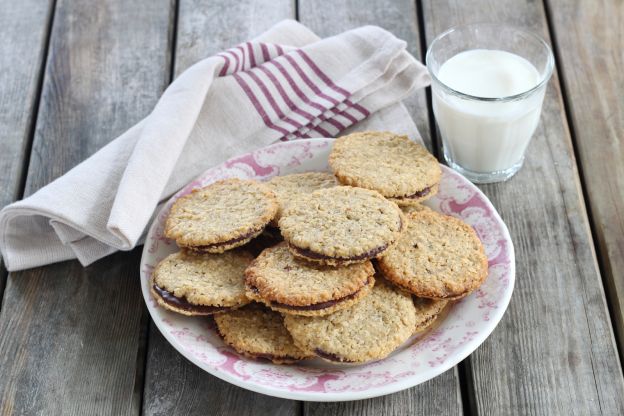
485	139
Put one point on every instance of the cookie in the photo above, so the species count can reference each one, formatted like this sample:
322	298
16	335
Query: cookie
340	225
417	198
438	257
289	187
427	311
201	284
258	333
408	209
391	164
292	286
369	330
222	216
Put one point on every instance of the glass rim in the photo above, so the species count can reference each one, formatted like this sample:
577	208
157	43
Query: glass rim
550	65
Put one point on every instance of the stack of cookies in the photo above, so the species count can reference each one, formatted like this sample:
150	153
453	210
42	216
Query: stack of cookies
343	266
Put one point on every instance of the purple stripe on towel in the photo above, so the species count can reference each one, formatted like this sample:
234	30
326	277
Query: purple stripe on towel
283	94
258	106
252	58
226	65
236	59
322	75
271	100
308	81
265	52
240	48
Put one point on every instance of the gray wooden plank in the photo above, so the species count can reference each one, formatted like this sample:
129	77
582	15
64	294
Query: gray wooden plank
178	387
69	339
206	27
440	396
69	335
175	386
24	29
554	351
589	50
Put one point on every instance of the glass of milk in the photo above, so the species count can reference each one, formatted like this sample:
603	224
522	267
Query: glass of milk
488	84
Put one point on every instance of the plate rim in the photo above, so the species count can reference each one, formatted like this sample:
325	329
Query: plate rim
408	382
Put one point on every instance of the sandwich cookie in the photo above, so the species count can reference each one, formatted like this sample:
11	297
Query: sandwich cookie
341	225
201	284
408	209
258	333
369	330
391	164
297	287
427	311
437	257
221	216
289	187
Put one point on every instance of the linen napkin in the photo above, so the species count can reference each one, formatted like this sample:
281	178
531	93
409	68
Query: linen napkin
286	84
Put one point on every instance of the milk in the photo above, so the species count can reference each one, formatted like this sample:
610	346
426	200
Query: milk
486	136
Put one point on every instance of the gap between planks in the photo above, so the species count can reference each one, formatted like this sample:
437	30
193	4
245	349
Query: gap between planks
88	281
580	249
30	133
466	387
144	326
435	146
600	257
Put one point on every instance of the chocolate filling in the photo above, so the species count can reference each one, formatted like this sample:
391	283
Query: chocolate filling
204	248
331	357
272	357
314	306
419	194
368	255
182	303
313	255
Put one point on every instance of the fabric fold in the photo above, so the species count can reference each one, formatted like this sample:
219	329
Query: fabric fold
286	84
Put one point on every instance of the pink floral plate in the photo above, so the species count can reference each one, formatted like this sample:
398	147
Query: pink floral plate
466	325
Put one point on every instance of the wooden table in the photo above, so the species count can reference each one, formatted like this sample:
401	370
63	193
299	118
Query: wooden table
76	73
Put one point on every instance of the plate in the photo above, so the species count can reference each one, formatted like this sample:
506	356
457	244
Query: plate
464	327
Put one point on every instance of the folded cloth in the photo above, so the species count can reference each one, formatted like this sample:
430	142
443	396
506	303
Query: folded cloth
286	84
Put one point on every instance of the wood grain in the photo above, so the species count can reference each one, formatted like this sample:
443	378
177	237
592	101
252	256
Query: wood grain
440	396
173	385
69	335
69	339
24	30
206	27
553	353
589	47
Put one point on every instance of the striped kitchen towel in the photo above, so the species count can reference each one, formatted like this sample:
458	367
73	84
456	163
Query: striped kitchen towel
286	84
